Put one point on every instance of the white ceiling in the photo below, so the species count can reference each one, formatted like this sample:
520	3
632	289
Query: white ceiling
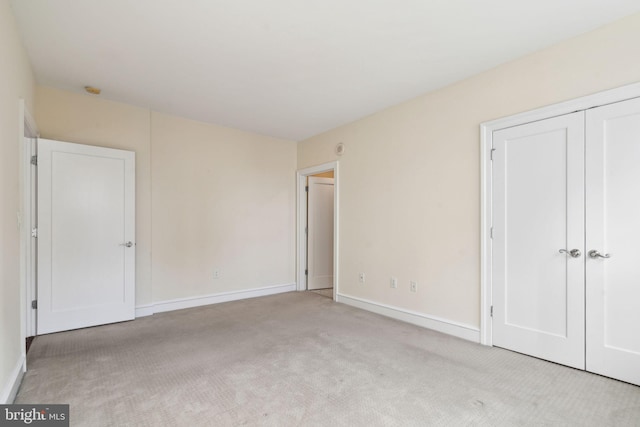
287	68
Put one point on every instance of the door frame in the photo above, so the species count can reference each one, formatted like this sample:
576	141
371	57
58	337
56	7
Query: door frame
27	190
301	240
619	94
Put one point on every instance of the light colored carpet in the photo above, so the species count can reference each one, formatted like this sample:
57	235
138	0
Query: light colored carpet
299	359
324	292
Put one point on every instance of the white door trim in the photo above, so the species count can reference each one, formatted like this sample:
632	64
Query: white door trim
29	129
486	141
301	177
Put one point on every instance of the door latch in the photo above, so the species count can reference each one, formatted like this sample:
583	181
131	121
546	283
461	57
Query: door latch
573	253
595	254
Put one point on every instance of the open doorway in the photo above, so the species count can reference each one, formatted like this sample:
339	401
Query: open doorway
320	189
318	229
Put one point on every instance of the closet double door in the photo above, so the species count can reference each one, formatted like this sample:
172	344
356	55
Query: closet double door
566	239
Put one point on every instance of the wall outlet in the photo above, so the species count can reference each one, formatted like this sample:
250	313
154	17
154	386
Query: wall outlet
413	286
394	283
361	277
216	274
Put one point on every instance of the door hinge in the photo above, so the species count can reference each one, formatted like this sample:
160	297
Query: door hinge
306	272
306	230
306	188
491	153
34	304
34	232
491	233
34	160
491	311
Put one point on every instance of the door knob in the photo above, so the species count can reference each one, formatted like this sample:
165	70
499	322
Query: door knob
573	253
595	254
127	244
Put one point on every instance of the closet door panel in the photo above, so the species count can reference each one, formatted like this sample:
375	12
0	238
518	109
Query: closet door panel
613	230
538	209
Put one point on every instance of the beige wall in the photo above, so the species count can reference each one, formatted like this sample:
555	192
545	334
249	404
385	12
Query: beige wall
223	200
328	174
207	197
410	175
16	82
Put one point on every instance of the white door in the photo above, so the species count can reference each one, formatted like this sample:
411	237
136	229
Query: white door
320	233
538	210
613	229
86	235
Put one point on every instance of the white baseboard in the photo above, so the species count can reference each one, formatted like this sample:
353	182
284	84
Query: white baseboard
460	330
144	310
180	303
10	389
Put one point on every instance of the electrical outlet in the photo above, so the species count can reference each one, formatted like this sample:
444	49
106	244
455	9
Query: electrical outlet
394	282
413	286
216	274
361	277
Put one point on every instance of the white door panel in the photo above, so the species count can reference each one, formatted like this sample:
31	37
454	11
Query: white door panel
613	227
320	233
538	292
85	215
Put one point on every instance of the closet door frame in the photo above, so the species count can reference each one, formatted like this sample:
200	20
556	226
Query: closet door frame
486	139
